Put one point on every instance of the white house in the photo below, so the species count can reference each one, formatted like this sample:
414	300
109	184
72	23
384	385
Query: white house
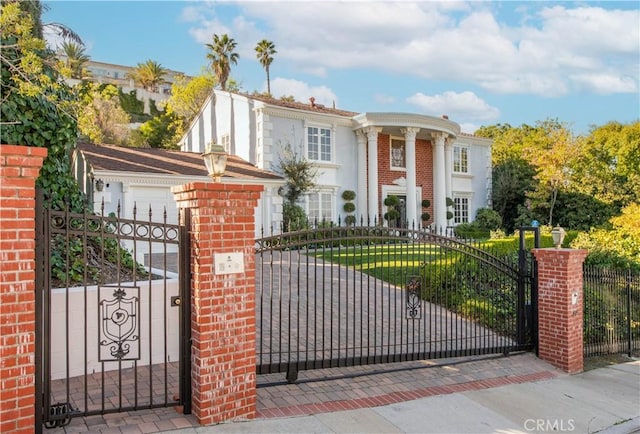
117	179
409	155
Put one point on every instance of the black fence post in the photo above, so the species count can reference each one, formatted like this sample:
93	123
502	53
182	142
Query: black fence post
526	310
629	313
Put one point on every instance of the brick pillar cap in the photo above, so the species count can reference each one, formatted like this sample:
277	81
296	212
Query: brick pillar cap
216	186
560	251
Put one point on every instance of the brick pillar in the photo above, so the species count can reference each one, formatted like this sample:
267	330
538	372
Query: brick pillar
223	319
19	168
560	298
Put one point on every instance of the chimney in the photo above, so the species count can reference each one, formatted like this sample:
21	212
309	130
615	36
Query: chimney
312	100
445	117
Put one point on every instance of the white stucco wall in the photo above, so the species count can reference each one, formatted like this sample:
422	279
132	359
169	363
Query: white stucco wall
83	334
260	132
477	184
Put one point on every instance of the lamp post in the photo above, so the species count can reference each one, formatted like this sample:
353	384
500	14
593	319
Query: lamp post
215	158
558	234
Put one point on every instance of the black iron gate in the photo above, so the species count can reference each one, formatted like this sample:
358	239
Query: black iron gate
343	296
112	308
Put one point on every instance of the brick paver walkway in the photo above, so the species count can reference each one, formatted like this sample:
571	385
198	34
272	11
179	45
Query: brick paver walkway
334	389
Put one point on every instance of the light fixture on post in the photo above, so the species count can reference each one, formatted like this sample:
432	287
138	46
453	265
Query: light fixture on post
558	234
99	185
215	158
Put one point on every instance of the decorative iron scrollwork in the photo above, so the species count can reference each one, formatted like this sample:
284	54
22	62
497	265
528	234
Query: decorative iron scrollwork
119	324
414	304
60	415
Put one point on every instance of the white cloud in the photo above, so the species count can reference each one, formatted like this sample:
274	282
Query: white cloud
465	106
190	14
605	84
302	91
548	52
469	128
384	99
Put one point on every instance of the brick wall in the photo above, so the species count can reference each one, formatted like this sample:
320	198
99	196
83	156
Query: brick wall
19	168
424	170
560	307
223	318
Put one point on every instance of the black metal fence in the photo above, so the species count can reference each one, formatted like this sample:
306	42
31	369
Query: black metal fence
343	296
112	335
611	311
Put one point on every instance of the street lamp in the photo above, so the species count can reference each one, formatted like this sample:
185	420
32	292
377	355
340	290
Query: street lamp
558	234
215	158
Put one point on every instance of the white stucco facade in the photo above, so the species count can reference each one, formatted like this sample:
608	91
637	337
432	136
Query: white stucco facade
373	154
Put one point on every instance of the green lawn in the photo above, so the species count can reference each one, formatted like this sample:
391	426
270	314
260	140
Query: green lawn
391	263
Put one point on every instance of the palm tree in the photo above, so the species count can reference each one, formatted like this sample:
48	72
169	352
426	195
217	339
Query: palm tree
264	52
75	58
222	55
149	75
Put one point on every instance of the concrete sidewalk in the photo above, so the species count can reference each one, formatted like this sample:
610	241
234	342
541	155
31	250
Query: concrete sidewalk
605	400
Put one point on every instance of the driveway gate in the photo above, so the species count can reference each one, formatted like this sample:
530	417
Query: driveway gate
344	296
113	331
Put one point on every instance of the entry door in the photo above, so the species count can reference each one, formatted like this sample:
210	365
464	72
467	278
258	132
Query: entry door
402	207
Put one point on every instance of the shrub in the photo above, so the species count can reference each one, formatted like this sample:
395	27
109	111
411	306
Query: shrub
471	231
488	219
294	217
349	207
348	195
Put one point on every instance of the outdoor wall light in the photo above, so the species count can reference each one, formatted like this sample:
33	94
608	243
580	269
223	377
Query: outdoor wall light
215	158
558	234
99	185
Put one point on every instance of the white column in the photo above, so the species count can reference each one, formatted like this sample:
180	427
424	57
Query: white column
361	198
439	183
372	178
410	161
448	166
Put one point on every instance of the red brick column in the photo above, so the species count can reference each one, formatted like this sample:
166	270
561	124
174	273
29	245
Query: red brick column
223	320
560	312
19	168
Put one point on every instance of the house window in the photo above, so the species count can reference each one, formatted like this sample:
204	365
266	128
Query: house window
225	142
460	159
460	210
398	154
320	206
319	144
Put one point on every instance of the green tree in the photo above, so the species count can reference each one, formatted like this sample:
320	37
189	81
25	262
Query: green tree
264	52
531	166
300	175
553	153
512	179
609	164
37	108
75	58
162	131
222	55
188	95
149	75
102	119
618	246
24	69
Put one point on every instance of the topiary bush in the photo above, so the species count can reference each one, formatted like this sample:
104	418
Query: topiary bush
488	219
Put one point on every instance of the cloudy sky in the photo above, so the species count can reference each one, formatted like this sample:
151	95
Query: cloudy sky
480	63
